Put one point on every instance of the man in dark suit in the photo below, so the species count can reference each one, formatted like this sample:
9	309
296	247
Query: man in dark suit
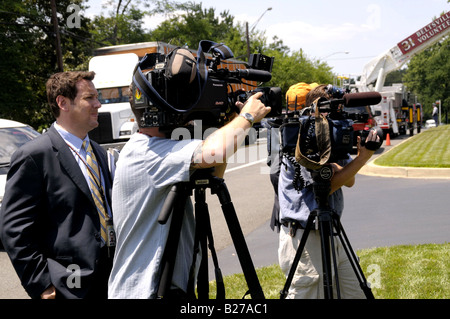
49	220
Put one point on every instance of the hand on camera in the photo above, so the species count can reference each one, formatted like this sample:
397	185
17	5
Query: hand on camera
255	107
372	143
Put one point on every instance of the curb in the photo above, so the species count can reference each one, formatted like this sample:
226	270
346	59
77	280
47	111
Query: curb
406	172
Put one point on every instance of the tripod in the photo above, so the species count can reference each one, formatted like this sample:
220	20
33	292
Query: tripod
328	221
175	204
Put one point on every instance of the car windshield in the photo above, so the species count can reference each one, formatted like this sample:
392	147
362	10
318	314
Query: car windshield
357	109
358	114
11	139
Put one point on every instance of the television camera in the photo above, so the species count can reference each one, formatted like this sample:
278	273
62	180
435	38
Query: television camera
179	88
327	132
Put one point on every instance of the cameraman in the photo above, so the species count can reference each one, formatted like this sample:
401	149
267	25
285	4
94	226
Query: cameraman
295	208
149	164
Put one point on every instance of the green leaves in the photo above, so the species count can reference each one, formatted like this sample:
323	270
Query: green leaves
28	55
428	75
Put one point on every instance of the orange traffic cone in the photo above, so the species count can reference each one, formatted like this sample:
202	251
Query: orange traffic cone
388	140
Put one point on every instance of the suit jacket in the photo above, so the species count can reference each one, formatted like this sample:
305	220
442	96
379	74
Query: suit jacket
49	223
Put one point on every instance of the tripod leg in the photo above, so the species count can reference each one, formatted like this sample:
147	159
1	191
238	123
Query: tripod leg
205	238
201	213
324	229
284	292
170	252
353	260
333	255
239	241
218	273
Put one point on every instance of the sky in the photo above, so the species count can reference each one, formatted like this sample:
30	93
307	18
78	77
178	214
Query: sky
347	34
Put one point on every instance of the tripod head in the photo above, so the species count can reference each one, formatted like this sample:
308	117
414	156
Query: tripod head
200	178
322	185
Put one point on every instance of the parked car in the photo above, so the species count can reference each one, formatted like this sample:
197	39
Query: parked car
430	123
12	135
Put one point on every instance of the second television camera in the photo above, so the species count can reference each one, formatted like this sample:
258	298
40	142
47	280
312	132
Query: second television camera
178	88
326	136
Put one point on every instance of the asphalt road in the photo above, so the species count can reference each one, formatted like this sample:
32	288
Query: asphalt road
379	211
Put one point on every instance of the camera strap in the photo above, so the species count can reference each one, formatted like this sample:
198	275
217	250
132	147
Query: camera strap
322	134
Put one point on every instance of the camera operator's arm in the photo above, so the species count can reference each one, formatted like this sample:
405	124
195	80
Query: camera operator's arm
224	142
345	176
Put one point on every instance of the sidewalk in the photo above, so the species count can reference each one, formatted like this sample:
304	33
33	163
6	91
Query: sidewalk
371	169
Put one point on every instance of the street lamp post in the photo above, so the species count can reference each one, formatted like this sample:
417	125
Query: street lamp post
326	57
247	33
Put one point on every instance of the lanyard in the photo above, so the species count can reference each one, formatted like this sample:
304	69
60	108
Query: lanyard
92	172
111	235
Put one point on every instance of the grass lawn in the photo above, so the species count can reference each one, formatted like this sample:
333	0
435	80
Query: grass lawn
397	272
430	148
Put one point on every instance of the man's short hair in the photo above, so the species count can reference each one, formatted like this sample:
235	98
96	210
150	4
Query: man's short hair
65	84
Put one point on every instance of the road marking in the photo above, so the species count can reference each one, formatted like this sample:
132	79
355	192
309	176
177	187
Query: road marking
245	165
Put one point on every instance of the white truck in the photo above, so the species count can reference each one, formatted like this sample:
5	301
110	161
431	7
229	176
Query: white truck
112	80
393	118
392	114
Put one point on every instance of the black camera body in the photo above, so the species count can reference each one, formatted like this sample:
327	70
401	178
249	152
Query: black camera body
341	137
301	130
212	107
180	88
271	96
340	131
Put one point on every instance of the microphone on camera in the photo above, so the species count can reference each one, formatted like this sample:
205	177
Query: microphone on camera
355	99
361	99
254	75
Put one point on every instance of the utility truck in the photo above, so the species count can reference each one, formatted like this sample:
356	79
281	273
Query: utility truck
391	113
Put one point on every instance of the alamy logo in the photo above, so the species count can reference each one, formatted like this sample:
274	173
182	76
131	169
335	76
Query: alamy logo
375	275
74	279
73	20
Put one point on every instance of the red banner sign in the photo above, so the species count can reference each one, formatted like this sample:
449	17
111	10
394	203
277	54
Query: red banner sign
430	31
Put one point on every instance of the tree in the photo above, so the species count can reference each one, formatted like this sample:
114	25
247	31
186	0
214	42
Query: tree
394	77
428	75
196	24
291	68
28	58
123	28
125	20
28	51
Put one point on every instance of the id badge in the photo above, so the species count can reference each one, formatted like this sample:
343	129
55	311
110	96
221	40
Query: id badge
111	234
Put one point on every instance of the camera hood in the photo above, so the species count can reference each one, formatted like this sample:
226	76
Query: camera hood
181	69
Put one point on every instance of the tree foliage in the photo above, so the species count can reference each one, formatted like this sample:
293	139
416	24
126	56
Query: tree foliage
28	47
28	58
428	76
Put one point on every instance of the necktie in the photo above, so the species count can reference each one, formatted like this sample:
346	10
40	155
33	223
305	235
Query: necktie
96	188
